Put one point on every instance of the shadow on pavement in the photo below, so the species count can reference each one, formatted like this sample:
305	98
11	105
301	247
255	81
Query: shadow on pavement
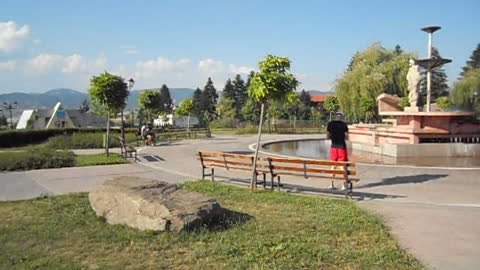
152	158
399	180
291	188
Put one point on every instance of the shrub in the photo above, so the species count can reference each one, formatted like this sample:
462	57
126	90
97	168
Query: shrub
443	103
403	102
16	138
86	141
36	158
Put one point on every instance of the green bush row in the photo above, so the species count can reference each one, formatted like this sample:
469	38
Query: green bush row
16	138
35	158
86	141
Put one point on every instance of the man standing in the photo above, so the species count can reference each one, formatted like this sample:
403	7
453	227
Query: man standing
337	131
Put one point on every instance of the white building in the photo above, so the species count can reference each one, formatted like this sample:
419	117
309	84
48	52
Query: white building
58	117
176	121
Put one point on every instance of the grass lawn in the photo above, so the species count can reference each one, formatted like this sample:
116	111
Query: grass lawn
283	232
99	159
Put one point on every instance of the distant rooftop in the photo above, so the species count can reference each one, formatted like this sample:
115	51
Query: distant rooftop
319	98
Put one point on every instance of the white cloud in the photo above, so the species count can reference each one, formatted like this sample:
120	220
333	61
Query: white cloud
240	70
43	63
11	37
301	76
211	67
74	63
77	63
152	68
8	66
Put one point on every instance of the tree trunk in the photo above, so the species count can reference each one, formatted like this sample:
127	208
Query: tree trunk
108	134
253	183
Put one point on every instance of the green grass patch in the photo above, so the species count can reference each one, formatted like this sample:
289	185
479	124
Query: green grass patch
284	232
99	159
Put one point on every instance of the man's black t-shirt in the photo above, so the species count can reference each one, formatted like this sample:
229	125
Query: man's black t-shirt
337	130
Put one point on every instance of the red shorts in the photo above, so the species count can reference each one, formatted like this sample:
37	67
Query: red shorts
338	154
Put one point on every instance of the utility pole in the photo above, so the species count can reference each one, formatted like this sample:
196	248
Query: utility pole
10	106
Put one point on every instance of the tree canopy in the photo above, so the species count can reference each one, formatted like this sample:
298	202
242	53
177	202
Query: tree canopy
473	62
150	101
274	81
373	71
166	105
439	86
107	92
466	92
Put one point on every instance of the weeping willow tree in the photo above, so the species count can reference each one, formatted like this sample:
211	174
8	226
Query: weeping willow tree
372	72
466	92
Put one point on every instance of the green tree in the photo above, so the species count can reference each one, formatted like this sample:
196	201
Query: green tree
473	63
197	106
228	90
166	105
150	102
443	103
398	50
251	111
241	94
367	105
274	81
331	105
439	86
226	108
208	101
374	71
108	93
466	92
186	109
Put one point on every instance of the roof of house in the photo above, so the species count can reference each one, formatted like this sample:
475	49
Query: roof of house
85	119
319	98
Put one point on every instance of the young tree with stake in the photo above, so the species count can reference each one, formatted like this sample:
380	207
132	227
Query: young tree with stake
274	81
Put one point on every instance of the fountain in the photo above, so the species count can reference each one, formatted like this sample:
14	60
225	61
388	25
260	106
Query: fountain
413	132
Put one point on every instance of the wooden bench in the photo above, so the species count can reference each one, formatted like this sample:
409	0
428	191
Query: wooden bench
307	168
227	161
126	150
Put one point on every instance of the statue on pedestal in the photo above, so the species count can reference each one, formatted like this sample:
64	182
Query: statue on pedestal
413	77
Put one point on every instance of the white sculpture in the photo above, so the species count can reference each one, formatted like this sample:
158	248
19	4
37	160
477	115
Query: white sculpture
413	78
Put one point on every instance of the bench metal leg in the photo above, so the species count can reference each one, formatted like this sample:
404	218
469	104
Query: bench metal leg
264	180
349	190
213	171
278	181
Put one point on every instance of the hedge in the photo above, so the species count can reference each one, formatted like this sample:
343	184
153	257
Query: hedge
16	138
36	158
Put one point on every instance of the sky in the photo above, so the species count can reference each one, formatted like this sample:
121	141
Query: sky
62	44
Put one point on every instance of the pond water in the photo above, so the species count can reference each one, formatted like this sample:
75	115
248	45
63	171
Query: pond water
320	149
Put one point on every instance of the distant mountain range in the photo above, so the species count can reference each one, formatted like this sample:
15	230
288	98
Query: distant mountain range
73	98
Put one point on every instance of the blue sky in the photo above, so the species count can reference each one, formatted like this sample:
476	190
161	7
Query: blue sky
61	44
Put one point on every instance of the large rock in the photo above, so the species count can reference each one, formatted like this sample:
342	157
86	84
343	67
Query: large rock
149	204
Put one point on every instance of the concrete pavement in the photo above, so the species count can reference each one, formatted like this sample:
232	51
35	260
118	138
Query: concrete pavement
432	211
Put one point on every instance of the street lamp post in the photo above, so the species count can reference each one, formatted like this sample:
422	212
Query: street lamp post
10	106
131	83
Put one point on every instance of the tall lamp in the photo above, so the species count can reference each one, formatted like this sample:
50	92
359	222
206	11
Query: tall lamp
131	83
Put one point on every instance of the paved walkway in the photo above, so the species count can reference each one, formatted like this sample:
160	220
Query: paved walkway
433	212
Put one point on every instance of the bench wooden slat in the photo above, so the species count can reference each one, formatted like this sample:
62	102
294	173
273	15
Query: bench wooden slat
217	154
307	161
311	170
320	177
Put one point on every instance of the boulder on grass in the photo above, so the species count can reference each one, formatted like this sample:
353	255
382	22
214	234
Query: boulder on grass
148	204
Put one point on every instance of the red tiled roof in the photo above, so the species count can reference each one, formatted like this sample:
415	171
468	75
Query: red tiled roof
319	98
